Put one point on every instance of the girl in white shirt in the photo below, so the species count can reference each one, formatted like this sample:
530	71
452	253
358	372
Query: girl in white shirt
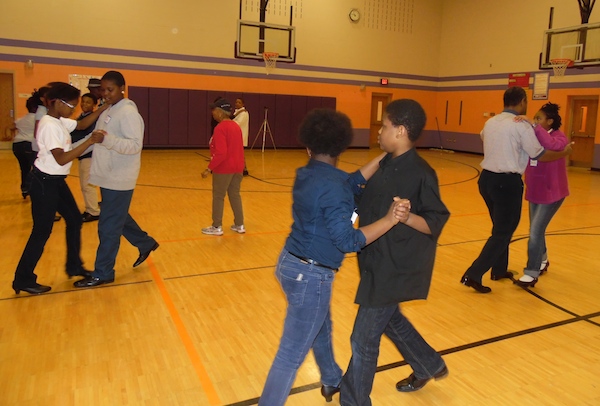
48	190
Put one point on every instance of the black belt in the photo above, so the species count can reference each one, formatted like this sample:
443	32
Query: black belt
313	262
44	175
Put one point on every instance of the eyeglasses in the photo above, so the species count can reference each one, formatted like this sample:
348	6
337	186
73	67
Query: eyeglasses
68	104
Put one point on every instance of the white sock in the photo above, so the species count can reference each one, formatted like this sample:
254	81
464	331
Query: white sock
526	278
543	264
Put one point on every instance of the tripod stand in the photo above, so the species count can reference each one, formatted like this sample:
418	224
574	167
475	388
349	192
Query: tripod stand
264	128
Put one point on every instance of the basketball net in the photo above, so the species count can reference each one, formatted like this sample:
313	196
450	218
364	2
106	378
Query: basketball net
270	61
560	65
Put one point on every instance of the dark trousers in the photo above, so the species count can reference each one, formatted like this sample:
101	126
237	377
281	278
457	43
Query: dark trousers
115	222
503	195
22	151
49	194
370	324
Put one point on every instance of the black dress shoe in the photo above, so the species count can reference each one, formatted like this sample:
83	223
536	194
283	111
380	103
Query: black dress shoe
79	272
34	290
328	392
412	383
145	255
91	281
506	275
529	284
87	217
474	284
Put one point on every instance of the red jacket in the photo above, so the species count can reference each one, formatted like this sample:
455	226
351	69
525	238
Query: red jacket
227	148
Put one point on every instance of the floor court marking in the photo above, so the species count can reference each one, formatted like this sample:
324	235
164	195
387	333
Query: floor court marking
205	382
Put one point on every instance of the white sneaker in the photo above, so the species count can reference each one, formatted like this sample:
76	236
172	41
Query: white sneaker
238	229
213	230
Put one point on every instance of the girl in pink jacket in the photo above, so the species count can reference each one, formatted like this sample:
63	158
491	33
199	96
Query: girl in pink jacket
546	188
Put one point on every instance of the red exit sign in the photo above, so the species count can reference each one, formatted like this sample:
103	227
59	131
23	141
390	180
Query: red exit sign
384	81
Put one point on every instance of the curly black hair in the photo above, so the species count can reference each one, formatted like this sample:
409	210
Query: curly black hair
408	113
62	91
551	112
32	104
326	131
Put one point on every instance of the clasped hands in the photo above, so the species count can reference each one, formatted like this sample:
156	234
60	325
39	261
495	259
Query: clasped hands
399	210
97	136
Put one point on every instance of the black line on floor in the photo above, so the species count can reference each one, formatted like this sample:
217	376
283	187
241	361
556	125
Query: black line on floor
57	292
393	365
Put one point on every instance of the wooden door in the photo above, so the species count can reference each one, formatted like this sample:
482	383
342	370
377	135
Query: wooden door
7	106
582	130
379	101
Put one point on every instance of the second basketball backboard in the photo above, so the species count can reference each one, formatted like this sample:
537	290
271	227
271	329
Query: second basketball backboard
255	38
580	43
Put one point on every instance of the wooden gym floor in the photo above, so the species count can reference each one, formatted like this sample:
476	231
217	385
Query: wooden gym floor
199	322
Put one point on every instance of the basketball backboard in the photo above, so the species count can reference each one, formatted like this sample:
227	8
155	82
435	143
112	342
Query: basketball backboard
254	38
580	43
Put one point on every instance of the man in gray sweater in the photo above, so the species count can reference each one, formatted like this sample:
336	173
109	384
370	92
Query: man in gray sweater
115	168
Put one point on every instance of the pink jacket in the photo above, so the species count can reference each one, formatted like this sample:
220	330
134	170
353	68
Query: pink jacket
546	182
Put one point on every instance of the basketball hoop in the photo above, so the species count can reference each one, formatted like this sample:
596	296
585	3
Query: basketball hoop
270	61
560	65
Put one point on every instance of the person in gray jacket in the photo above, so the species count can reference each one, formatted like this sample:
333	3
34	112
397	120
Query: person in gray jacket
115	169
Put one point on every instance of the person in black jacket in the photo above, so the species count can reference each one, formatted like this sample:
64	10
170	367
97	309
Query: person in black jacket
398	266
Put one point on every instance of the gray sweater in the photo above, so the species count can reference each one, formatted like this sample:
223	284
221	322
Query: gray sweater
116	161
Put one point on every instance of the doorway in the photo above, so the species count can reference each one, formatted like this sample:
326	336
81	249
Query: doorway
379	101
7	109
583	113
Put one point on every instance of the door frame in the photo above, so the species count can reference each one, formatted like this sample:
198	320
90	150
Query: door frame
12	109
388	97
571	100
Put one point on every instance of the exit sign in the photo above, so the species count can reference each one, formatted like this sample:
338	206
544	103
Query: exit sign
384	81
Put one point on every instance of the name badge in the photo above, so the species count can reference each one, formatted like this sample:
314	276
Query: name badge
354	216
533	162
107	120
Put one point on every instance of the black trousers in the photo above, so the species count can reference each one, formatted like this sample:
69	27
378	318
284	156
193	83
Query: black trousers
22	151
49	194
503	195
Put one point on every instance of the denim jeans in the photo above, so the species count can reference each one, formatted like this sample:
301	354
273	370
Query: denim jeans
503	196
115	222
371	323
307	325
539	218
49	194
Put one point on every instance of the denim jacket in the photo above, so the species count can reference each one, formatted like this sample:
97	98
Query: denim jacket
322	210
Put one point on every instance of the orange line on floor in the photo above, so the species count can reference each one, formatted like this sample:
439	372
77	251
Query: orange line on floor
207	386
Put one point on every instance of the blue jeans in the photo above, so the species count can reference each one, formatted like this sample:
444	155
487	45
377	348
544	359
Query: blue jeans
503	196
307	325
115	222
539	218
371	323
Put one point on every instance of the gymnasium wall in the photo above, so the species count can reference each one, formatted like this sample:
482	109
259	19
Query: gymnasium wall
454	56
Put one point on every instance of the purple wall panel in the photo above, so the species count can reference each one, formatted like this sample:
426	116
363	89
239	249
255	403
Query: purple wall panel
280	125
178	117
158	125
139	95
198	119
